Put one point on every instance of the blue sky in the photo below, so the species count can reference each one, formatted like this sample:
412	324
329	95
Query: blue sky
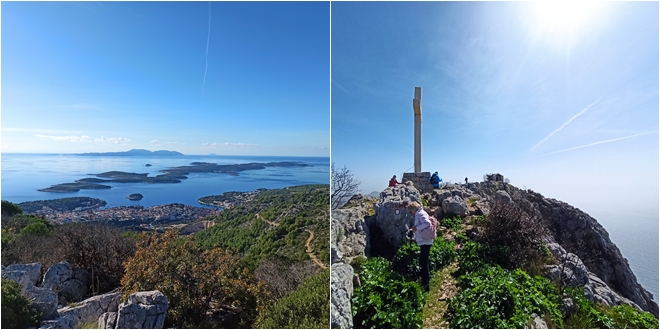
561	100
112	76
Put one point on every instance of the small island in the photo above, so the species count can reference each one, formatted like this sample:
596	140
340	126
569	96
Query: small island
135	197
148	165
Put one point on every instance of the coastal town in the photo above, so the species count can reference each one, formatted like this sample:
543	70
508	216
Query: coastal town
154	217
159	217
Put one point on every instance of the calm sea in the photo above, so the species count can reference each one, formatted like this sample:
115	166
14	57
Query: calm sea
635	233
23	174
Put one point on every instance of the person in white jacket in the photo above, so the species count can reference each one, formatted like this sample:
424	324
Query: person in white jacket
422	221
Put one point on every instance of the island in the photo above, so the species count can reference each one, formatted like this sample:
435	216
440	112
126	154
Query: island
135	197
172	175
148	165
74	187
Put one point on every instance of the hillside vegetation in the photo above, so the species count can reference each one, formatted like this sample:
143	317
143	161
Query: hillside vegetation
274	225
252	269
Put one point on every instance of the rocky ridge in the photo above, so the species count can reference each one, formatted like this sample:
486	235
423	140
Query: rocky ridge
63	284
596	260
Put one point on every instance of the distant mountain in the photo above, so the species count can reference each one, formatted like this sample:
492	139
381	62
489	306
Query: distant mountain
135	152
374	194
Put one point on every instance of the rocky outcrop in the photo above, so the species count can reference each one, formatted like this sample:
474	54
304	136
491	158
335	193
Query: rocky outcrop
454	206
583	235
341	284
87	311
43	300
349	233
143	310
25	274
70	284
392	218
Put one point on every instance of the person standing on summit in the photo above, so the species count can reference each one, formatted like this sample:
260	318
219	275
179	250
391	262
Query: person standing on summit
393	182
422	220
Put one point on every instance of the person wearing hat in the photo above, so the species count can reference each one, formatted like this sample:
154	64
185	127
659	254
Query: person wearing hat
422	221
393	181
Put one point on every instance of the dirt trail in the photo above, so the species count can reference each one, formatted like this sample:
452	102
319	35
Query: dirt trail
274	224
310	252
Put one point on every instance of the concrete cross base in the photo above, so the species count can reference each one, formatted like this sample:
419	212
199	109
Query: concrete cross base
420	181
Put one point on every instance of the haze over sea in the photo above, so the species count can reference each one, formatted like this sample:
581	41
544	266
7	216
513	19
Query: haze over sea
24	174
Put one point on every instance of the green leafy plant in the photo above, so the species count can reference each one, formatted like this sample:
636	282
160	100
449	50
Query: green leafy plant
493	297
586	314
453	223
406	260
385	299
17	313
626	317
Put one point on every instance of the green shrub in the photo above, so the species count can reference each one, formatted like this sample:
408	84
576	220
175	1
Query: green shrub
626	317
9	209
406	259
474	256
306	308
385	299
38	226
453	223
586	314
493	297
198	283
16	310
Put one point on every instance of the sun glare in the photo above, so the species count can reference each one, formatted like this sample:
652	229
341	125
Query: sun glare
564	19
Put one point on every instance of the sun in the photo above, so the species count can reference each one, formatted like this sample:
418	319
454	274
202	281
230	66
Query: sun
564	19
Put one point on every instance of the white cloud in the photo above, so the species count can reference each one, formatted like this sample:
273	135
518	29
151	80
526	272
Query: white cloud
112	140
160	143
230	144
84	138
70	138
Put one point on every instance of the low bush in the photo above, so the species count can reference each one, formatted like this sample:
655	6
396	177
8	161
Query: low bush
406	260
474	256
9	209
586	314
493	297
197	282
509	225
453	223
626	317
385	299
308	307
17	313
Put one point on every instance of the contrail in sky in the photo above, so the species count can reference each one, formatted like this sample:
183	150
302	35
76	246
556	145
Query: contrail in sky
601	142
566	123
208	37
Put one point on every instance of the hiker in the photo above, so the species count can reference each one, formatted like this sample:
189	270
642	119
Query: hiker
393	181
435	180
422	221
466	180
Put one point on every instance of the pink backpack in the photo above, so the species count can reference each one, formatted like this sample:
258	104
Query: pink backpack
429	232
